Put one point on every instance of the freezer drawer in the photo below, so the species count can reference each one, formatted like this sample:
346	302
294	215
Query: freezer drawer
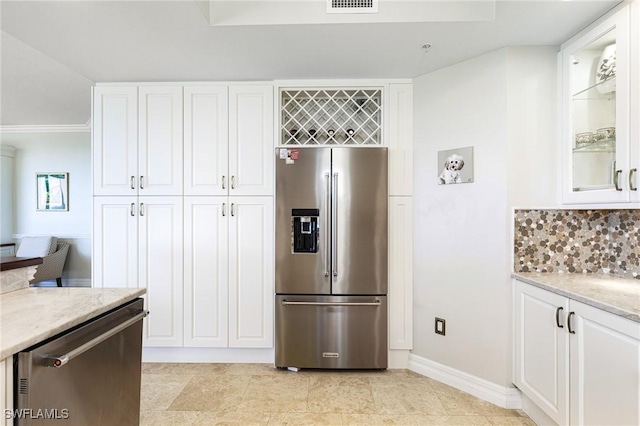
345	332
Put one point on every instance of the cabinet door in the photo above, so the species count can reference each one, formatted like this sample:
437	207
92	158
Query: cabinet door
251	140
160	260
115	140
400	272
542	349
205	271
595	130
160	156
251	275
206	144
605	368
400	139
115	242
634	130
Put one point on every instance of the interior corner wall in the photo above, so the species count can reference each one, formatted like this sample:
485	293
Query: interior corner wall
55	152
461	230
6	198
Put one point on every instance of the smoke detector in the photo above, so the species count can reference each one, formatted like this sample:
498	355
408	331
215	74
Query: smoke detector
352	6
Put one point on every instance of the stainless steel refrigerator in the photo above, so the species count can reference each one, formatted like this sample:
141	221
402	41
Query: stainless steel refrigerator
331	257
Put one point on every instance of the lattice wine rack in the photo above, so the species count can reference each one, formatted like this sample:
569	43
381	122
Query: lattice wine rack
331	117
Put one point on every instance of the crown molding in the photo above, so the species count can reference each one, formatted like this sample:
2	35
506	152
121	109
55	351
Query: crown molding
47	128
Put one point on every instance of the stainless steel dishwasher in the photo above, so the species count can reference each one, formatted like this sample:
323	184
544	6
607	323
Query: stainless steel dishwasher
89	375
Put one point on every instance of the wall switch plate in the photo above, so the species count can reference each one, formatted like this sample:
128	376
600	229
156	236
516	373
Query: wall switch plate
440	326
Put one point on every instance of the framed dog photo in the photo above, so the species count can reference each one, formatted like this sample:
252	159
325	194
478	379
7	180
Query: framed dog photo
455	166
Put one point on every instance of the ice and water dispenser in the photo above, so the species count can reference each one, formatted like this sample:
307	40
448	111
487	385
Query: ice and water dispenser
306	230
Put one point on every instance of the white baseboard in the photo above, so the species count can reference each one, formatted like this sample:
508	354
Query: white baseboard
505	397
209	355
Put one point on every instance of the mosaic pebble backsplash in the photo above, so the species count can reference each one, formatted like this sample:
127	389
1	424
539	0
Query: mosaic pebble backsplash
577	241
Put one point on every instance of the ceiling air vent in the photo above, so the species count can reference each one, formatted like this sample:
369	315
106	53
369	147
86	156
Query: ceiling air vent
352	6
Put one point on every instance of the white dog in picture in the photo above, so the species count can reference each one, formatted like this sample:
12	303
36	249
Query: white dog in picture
451	171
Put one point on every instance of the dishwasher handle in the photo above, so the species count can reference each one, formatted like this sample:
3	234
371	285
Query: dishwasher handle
58	361
374	303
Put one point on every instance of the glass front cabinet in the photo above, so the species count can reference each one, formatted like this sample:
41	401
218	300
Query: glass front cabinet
596	160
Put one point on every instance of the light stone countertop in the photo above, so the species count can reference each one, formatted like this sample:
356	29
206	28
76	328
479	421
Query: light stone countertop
31	315
614	294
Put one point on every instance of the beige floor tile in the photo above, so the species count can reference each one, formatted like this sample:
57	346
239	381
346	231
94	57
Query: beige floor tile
413	419
167	418
339	380
253	369
408	398
341	399
276	393
158	391
212	393
518	421
305	419
231	418
458	403
183	368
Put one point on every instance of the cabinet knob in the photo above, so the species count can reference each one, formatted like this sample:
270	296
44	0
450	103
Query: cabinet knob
233	182
232	211
224	209
133	182
223	182
632	175
141	209
141	182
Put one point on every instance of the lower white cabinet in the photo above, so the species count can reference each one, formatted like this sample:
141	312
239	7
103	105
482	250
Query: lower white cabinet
137	242
579	364
228	275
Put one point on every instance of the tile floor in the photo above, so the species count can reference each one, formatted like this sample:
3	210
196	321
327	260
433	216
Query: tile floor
258	394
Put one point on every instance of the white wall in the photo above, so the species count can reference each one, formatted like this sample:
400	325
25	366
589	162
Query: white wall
6	200
55	152
462	233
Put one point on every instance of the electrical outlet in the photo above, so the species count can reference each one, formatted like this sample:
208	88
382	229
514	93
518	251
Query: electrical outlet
440	326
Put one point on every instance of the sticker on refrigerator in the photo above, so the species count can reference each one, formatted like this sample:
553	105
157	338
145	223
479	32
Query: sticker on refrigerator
289	155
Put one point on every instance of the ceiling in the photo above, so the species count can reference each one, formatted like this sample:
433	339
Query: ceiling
53	51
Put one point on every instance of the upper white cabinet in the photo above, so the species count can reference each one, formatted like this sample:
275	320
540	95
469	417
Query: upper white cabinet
137	140
115	140
401	139
160	140
251	140
597	81
206	141
228	140
577	363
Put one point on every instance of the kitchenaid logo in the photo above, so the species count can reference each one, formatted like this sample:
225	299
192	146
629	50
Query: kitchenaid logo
40	413
330	354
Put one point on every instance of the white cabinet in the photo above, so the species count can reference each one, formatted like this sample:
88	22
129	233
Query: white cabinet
401	139
229	272
599	86
577	363
137	140
138	243
251	143
400	273
228	140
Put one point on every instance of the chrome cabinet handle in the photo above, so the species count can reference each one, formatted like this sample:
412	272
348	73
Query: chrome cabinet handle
224	209
141	209
233	182
223	182
569	322
327	214
616	180
334	225
133	209
58	361
232	210
558	317
374	303
133	182
632	175
141	182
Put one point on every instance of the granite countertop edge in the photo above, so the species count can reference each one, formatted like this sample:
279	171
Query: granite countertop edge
553	283
31	315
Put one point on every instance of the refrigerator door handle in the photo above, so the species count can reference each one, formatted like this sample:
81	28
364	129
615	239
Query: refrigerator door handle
374	303
334	224
327	215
